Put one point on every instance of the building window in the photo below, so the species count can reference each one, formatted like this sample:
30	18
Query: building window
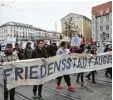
107	36
107	26
101	28
101	19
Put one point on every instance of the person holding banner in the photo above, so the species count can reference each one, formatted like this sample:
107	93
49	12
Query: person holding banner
78	47
62	50
108	70
7	56
39	52
93	51
80	50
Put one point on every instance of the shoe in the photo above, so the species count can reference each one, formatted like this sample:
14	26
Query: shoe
77	81
34	97
40	98
71	88
93	82
88	77
59	87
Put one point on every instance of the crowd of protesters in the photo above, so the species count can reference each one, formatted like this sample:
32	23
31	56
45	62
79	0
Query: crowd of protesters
45	51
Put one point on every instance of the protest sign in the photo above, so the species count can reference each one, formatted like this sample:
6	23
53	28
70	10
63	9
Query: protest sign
75	41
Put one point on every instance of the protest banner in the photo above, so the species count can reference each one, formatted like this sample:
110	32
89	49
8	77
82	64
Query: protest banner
39	71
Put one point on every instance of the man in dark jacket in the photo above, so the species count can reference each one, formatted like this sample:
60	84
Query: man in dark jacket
39	52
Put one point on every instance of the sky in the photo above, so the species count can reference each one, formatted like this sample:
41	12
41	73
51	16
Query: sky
44	14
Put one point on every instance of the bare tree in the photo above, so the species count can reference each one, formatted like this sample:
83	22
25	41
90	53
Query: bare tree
71	29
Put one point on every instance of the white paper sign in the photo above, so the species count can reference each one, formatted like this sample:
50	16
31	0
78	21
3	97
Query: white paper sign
76	41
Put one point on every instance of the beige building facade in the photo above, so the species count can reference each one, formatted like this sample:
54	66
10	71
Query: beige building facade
76	25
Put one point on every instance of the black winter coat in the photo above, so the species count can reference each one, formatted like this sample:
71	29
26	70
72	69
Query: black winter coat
37	53
28	53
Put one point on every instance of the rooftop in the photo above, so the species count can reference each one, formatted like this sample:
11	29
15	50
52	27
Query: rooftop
17	24
102	8
12	23
75	14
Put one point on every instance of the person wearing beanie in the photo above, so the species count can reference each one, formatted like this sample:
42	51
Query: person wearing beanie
7	56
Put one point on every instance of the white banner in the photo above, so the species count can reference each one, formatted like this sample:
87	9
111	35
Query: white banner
39	71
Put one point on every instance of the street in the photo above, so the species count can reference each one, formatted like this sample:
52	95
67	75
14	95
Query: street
100	91
41	41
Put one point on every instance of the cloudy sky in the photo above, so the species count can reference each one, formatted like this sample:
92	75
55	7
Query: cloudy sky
43	14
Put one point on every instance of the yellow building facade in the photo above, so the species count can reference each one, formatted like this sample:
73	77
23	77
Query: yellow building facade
87	28
79	25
